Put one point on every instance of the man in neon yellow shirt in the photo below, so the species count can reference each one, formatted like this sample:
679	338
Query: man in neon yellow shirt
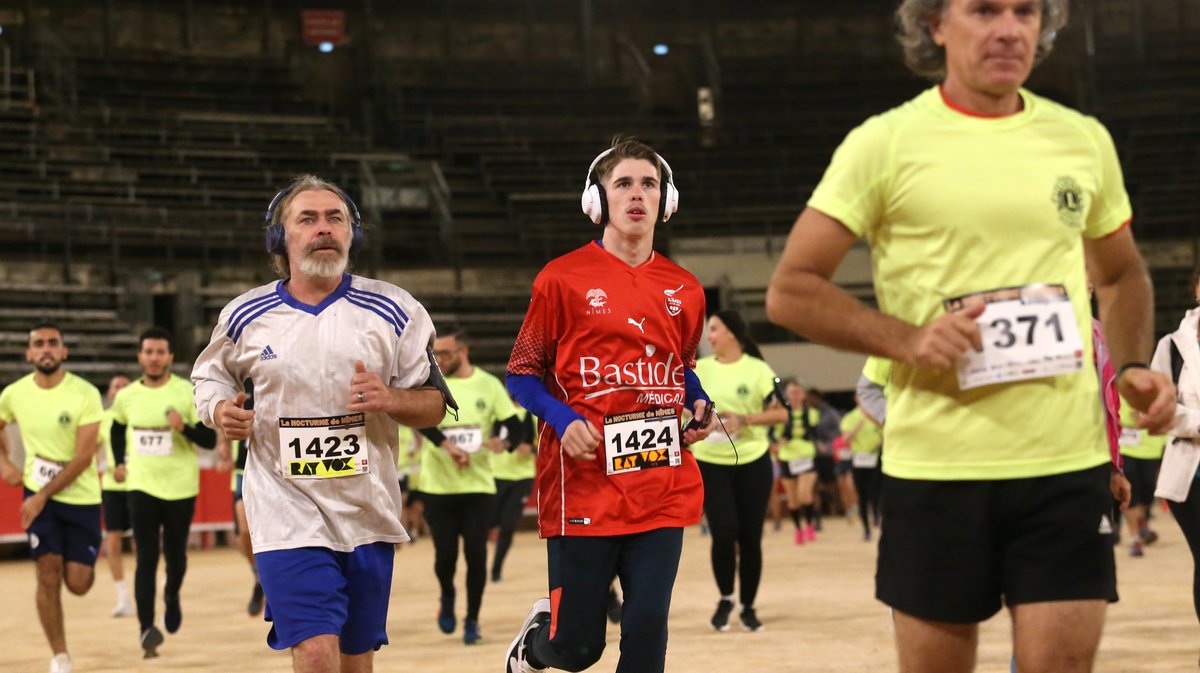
457	484
155	433
980	201
59	417
1142	453
114	498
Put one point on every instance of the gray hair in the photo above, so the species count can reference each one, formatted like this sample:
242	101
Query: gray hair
928	60
302	183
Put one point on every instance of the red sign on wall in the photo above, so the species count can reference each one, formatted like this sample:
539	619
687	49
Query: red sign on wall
323	25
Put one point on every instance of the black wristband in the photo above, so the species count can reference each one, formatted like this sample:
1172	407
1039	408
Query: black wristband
1131	365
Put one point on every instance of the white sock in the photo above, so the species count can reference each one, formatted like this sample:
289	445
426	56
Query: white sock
729	598
122	593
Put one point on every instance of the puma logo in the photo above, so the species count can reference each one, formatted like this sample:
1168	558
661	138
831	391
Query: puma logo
637	324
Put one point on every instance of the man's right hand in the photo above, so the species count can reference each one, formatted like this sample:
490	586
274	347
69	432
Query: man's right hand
461	458
10	474
234	421
580	440
940	342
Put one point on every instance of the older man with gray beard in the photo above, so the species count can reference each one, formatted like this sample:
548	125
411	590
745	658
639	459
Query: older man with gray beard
336	361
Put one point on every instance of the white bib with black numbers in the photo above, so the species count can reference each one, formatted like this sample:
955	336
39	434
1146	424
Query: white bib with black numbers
45	470
864	460
469	438
152	441
798	466
323	448
1028	333
641	440
1130	437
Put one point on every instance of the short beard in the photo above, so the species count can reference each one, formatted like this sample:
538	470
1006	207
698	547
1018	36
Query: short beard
322	268
48	371
155	379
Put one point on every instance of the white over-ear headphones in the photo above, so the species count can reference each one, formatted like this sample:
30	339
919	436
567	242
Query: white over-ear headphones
595	201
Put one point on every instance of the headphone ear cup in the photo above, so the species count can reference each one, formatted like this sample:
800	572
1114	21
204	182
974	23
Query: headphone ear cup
590	202
275	240
669	203
357	238
602	198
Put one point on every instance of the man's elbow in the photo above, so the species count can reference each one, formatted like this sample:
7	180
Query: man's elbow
775	304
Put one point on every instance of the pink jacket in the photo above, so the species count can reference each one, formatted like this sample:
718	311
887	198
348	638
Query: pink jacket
1109	396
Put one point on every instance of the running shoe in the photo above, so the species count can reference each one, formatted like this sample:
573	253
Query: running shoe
173	613
151	639
471	634
720	618
255	606
61	663
1136	548
1148	536
800	537
810	533
445	617
123	608
516	661
750	620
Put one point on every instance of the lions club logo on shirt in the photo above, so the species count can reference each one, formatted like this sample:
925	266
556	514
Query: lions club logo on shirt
1068	199
674	304
597	301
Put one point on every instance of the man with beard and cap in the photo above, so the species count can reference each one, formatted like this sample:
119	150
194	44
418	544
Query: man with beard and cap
155	432
336	361
59	417
457	482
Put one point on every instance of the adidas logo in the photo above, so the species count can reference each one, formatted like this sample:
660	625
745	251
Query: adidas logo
267	354
1105	525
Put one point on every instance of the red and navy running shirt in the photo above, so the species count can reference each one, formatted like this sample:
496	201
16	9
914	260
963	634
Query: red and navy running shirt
610	340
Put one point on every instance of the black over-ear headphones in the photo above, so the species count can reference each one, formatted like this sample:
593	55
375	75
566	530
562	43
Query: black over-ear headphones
595	201
274	235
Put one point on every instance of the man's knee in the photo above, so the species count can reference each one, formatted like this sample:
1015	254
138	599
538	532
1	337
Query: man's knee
79	578
580	657
319	653
49	571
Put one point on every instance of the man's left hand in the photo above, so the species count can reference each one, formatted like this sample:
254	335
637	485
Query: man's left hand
175	420
367	391
699	434
31	508
1151	393
1122	491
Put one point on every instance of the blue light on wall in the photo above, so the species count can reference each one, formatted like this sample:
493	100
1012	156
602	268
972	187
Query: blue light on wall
661	49
325	47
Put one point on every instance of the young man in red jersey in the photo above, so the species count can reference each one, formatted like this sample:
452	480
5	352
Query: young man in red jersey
605	357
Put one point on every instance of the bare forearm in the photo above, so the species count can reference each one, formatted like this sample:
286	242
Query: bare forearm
419	408
820	311
1127	313
769	417
69	473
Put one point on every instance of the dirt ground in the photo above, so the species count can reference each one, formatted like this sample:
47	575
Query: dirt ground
816	601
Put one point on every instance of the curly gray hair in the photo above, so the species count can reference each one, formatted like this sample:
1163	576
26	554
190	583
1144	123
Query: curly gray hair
928	60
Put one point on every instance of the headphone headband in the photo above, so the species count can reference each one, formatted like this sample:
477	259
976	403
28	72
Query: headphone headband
274	232
595	201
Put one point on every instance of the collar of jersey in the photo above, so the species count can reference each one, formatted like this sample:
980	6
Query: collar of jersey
337	294
621	263
950	111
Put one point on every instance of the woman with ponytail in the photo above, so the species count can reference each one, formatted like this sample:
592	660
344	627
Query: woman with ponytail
736	464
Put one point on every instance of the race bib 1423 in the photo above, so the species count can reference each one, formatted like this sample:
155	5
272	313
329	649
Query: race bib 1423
323	448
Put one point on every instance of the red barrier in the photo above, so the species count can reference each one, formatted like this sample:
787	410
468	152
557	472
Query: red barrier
10	513
214	507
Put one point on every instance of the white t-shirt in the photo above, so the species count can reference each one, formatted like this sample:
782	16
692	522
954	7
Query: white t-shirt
331	482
